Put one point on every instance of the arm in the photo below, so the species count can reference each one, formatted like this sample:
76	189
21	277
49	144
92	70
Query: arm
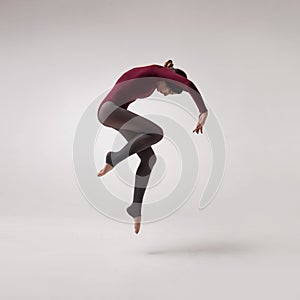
184	83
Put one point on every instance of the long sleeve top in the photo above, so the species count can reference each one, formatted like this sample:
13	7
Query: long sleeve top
140	82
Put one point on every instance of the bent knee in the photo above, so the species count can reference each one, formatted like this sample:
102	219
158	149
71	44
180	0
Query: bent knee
158	137
158	134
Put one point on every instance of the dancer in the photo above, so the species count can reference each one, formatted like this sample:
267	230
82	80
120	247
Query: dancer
140	132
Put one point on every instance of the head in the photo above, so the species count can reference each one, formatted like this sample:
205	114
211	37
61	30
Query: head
165	87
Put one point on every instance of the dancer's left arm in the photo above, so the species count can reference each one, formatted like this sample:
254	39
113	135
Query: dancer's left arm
201	122
188	86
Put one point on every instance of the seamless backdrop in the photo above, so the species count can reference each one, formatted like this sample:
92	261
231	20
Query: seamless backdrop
57	57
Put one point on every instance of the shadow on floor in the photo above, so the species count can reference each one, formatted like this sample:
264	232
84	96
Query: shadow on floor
207	247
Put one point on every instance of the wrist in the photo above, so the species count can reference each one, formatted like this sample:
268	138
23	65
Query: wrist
203	113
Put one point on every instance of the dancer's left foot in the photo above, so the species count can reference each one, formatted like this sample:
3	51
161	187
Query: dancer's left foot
137	224
106	169
134	210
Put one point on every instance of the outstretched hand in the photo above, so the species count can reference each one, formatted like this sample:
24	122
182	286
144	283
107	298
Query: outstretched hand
199	127
200	123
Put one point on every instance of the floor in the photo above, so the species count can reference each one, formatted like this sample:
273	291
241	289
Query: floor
97	258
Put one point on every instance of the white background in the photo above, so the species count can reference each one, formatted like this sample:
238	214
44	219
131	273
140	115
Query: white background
57	57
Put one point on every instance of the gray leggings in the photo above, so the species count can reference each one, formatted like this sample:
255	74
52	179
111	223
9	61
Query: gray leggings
140	134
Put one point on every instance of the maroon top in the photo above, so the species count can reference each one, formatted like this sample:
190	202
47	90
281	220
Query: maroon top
140	82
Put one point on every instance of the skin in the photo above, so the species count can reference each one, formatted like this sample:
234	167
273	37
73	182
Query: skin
200	123
162	87
106	169
137	224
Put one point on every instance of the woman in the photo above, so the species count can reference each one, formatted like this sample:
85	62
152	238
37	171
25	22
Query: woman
141	133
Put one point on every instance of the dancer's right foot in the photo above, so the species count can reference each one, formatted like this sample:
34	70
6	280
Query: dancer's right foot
108	166
106	169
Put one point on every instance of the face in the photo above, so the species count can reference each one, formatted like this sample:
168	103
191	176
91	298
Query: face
163	88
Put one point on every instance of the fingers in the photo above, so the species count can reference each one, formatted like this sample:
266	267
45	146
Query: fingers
198	128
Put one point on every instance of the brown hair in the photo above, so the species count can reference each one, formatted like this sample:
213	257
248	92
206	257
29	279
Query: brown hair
169	64
175	88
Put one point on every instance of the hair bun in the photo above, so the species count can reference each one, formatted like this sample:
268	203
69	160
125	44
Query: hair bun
169	64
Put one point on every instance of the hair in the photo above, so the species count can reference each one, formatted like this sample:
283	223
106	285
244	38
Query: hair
175	88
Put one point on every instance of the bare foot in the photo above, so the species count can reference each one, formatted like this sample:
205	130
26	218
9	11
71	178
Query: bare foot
106	169
137	224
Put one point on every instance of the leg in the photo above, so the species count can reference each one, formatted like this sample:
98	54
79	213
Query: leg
145	132
148	159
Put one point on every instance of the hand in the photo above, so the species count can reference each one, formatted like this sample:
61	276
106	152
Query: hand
201	122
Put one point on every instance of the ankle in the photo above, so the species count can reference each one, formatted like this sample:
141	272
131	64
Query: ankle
108	159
